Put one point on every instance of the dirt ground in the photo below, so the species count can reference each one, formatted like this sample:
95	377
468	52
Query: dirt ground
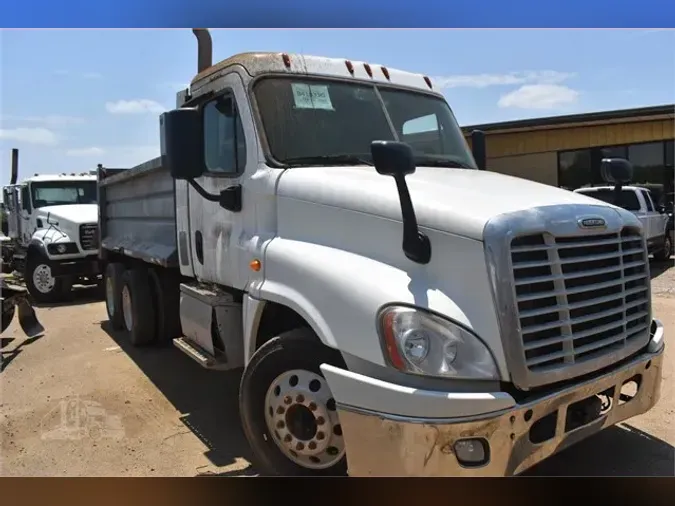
81	402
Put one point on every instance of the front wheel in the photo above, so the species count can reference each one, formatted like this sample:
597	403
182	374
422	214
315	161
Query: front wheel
288	411
666	252
41	283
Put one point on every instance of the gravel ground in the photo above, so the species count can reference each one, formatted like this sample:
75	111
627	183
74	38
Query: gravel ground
154	412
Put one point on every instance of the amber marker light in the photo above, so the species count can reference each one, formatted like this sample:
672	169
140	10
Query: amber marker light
255	265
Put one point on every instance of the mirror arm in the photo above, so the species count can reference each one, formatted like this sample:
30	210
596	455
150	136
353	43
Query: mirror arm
416	244
203	193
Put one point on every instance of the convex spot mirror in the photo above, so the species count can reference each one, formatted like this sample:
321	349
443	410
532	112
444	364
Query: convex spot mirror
392	158
616	170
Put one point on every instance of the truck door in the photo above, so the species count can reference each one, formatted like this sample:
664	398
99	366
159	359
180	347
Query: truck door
230	148
650	215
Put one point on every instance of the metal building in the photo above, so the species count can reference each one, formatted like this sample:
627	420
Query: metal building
566	151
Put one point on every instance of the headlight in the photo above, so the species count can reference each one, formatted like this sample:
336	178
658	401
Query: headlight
419	342
62	248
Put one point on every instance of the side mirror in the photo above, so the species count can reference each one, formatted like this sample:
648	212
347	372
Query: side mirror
181	142
396	159
616	171
392	158
478	149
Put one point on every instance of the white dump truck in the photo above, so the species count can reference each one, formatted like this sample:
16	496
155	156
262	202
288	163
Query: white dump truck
322	225
52	232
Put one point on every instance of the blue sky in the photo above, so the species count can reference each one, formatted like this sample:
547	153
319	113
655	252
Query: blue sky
70	99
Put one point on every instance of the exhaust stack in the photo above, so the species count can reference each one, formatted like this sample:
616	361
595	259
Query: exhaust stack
15	166
204	48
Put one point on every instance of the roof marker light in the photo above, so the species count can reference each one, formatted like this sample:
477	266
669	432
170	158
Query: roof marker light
428	81
385	72
350	67
286	59
369	71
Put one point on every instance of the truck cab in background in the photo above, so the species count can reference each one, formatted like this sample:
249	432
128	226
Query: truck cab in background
322	225
52	232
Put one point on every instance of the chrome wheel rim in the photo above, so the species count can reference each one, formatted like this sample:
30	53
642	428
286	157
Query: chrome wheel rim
43	280
302	419
126	309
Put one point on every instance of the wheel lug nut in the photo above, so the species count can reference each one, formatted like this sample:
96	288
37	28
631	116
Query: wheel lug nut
312	445
320	420
320	435
288	399
312	406
280	424
300	398
280	410
300	446
288	438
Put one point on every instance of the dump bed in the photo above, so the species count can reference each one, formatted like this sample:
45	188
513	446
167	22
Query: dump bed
137	213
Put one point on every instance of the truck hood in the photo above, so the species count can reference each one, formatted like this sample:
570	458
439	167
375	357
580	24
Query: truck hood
73	213
460	201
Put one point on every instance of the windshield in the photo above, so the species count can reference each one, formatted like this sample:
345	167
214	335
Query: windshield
59	193
629	200
321	121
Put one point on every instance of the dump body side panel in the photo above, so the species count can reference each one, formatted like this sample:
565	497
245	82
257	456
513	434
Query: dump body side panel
137	213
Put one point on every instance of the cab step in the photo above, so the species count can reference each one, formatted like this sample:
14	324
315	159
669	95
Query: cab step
203	358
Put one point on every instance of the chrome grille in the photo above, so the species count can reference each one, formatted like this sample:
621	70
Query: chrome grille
89	236
579	298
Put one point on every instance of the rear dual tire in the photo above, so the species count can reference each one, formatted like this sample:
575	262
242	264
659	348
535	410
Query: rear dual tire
143	302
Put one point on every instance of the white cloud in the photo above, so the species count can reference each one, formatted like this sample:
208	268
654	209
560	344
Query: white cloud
540	96
140	106
83	152
51	121
511	78
38	135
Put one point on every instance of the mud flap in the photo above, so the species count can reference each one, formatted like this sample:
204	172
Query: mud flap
28	319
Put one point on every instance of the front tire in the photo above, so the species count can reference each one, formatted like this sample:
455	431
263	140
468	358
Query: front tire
664	254
287	410
41	284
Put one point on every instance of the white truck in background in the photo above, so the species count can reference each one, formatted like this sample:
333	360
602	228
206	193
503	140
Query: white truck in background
397	311
639	201
52	232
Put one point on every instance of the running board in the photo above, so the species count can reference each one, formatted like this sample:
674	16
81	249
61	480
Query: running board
206	360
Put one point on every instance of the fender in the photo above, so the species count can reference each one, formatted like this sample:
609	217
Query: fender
340	293
37	244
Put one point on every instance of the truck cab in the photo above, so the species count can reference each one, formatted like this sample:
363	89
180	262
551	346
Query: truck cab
53	229
654	218
322	225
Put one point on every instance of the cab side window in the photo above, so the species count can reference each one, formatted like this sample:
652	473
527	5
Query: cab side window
648	200
25	199
224	142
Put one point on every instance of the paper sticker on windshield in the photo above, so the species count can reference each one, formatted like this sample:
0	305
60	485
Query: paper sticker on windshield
311	96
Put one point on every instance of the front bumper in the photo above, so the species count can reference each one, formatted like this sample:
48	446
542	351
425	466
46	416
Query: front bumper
381	444
88	266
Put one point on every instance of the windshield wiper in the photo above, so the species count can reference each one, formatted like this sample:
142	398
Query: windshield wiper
328	159
432	162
